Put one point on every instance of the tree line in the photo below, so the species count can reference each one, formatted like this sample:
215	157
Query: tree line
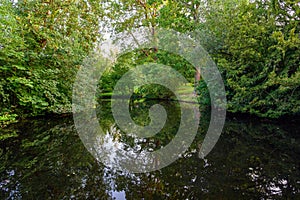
255	44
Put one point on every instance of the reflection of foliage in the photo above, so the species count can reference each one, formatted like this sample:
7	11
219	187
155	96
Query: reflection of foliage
51	163
140	112
252	160
228	173
140	115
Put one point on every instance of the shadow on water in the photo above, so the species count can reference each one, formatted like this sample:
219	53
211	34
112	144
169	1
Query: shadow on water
42	159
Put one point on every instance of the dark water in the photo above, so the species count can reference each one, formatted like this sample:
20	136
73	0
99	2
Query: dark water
45	159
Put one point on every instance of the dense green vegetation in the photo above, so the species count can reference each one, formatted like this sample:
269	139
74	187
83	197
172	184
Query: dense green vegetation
42	45
259	56
256	45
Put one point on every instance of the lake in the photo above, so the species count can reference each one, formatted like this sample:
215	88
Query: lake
253	159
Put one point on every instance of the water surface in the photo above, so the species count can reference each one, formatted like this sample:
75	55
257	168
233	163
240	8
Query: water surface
45	159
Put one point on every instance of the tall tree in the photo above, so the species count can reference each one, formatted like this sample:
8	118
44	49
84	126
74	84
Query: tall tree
47	42
259	56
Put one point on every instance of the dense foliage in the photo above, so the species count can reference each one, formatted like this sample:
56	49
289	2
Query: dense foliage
256	45
258	53
42	45
140	57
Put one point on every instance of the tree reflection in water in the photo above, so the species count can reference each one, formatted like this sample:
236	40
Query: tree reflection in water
252	160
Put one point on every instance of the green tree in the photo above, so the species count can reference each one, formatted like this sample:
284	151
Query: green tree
42	45
258	53
129	15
